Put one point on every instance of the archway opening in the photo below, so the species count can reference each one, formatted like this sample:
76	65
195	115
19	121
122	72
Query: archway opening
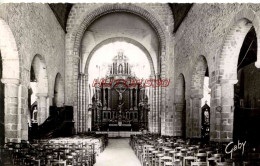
58	99
38	91
247	93
205	109
180	108
198	87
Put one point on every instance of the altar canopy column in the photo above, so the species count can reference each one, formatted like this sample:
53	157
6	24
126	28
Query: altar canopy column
131	98
109	99
136	95
104	98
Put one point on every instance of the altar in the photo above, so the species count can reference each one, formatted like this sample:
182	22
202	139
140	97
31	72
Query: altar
117	104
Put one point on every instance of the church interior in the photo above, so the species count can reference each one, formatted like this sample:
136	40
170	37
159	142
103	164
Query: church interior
129	84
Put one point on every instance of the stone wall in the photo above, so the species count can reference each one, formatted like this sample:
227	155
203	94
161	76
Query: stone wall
36	32
207	31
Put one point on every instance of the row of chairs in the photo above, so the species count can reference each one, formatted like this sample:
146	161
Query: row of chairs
155	150
76	151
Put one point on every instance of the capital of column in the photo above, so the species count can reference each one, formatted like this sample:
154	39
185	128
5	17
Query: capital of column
228	81
10	81
83	74
196	96
50	95
42	95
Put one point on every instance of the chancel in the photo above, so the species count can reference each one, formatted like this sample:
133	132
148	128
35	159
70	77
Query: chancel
123	104
129	84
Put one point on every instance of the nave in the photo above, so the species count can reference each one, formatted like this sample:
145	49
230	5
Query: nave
118	152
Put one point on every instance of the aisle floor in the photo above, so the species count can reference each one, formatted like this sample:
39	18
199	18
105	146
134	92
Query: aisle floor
118	153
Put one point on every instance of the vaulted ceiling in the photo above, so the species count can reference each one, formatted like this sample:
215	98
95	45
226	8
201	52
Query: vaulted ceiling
62	10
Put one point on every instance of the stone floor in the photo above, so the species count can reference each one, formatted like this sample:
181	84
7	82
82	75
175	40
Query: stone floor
118	153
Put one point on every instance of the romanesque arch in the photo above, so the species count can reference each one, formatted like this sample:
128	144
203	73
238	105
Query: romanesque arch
39	66
227	71
73	44
197	83
58	99
11	80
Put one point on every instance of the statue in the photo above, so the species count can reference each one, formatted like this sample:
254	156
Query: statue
35	114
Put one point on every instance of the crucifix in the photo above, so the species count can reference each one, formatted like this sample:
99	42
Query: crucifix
120	91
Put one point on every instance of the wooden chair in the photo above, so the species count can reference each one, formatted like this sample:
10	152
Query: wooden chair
224	164
198	163
58	163
188	159
201	157
212	161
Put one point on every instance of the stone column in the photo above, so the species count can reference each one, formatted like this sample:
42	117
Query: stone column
226	115
83	103
82	100
49	102
150	120
79	112
153	109
13	123
157	109
42	107
86	103
196	116
178	119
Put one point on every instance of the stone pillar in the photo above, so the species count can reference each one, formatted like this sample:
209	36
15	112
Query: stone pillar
178	120
131	98
86	103
157	109
13	123
226	115
153	109
49	102
150	120
42	107
196	116
79	112
83	103
109	99
82	107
